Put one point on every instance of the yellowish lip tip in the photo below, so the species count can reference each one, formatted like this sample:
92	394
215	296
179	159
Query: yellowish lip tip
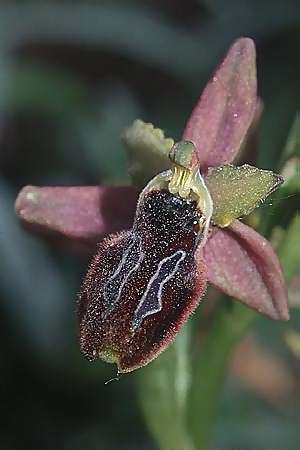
109	356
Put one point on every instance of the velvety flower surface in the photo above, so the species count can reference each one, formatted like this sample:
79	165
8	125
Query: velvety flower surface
232	256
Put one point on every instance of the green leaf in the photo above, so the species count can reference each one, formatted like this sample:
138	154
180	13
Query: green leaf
148	151
163	387
236	191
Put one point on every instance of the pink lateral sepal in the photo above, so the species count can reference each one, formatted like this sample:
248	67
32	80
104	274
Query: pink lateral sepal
79	213
243	264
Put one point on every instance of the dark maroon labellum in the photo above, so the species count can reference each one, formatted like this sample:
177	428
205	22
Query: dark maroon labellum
143	284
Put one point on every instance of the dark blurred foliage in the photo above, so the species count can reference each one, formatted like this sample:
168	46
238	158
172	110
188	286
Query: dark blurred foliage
72	75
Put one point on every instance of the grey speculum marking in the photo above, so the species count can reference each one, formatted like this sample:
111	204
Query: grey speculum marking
151	301
130	261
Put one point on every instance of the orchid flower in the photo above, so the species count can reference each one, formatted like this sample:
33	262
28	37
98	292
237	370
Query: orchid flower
145	282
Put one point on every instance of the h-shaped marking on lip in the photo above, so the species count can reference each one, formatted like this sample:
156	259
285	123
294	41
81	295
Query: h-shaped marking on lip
130	262
151	301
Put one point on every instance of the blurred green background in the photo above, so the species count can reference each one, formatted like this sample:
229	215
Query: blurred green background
73	74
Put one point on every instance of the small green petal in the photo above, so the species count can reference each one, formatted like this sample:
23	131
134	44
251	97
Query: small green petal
148	151
236	191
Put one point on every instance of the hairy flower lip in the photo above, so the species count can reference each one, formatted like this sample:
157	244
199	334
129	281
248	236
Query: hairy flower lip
119	313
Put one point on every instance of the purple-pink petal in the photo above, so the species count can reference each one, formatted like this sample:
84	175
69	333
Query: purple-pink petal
249	150
221	118
84	214
243	264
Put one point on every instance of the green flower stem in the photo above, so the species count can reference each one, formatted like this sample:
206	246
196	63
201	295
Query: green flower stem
163	389
179	397
210	369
